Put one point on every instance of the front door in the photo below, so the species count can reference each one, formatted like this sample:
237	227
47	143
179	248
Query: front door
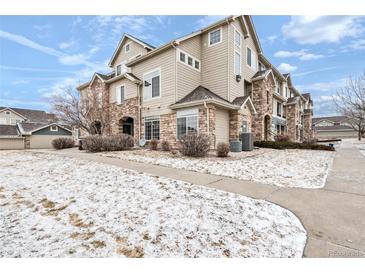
128	128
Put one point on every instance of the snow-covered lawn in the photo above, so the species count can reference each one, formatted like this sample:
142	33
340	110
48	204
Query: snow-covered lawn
284	168
55	206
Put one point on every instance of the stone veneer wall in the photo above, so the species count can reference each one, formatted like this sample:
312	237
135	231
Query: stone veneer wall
308	132
260	90
291	121
128	108
27	142
235	121
203	124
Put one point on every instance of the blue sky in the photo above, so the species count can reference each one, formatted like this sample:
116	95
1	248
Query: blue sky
39	55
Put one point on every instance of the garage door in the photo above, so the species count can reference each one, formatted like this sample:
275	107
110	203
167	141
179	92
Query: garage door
222	126
11	143
44	141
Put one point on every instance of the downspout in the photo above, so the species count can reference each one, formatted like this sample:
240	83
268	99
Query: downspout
175	67
228	67
139	111
207	110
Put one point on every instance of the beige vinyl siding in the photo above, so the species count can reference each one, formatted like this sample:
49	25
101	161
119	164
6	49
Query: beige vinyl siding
131	90
188	78
11	143
236	88
222	126
125	56
214	60
247	72
9	118
166	62
44	141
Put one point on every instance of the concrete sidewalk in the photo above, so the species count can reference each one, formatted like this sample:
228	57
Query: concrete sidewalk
333	216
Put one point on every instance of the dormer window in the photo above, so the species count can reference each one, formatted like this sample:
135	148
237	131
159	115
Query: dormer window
54	128
215	37
127	47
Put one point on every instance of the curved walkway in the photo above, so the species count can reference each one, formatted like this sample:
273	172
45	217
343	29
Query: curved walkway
333	216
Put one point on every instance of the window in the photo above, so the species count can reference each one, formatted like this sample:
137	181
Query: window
237	38
237	63
278	109
187	122
14	121
215	37
152	128
152	85
286	92
197	64
7	112
54	128
120	94
127	47
251	59
182	57
188	60
120	69
267	97
3	121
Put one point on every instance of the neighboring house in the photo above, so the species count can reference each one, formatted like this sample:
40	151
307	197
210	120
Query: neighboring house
27	128
214	81
333	127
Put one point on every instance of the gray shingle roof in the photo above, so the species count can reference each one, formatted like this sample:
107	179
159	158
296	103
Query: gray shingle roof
260	73
291	100
8	130
239	100
335	119
338	127
201	93
153	47
105	76
31	126
38	116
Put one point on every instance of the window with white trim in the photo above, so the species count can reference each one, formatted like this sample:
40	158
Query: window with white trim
152	128
3	121
251	59
120	69
54	128
14	121
286	92
187	122
188	60
215	37
237	63
278	109
237	38
152	85
120	94
127	47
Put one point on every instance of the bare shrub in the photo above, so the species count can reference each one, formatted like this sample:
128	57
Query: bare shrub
195	145
97	143
222	149
118	142
61	143
165	145
282	138
153	144
93	143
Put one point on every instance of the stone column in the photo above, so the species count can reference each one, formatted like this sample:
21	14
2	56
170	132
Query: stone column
308	132
291	121
203	124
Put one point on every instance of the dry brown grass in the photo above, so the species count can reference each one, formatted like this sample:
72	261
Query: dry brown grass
82	236
47	203
75	220
136	252
98	244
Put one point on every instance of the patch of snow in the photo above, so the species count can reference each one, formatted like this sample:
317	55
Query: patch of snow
55	206
283	168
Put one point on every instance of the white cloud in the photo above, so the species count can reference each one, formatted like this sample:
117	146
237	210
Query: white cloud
301	54
67	45
324	86
19	82
286	68
312	71
357	44
272	38
29	43
318	29
208	20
